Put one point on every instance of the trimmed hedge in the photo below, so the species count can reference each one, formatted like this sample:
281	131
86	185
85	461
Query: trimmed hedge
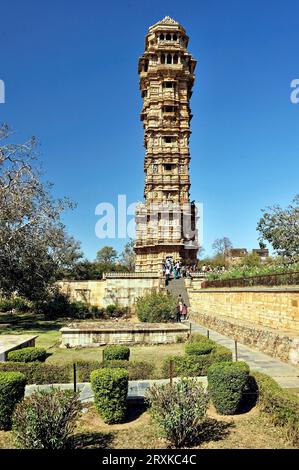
110	387
27	355
12	389
198	349
281	406
116	352
195	365
38	373
226	384
138	370
84	369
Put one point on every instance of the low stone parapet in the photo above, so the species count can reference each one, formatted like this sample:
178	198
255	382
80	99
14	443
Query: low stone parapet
93	334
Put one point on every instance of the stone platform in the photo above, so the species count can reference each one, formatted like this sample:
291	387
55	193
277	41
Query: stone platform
93	334
11	342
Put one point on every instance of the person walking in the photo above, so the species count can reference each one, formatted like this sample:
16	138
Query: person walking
167	276
178	313
185	312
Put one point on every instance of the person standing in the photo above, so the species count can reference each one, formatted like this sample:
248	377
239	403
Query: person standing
185	312
178	313
167	276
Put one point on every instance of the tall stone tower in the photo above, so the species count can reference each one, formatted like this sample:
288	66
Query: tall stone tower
166	220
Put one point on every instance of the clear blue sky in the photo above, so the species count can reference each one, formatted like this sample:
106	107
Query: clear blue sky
70	69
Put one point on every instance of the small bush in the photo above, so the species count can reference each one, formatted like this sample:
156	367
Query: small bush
110	387
198	349
179	410
221	354
38	373
111	309
281	405
198	338
180	339
14	303
12	389
195	365
46	419
116	352
226	382
156	307
27	355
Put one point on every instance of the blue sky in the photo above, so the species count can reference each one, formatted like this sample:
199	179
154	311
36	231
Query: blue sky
70	70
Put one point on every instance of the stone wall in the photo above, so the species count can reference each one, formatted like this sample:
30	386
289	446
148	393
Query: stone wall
264	318
273	308
100	333
121	288
91	292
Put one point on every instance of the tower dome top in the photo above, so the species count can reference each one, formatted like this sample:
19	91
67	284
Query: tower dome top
166	21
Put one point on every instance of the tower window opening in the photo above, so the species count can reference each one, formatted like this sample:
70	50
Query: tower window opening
168	84
169	59
168	139
145	66
168	37
168	109
161	37
162	58
175	59
168	167
175	38
144	93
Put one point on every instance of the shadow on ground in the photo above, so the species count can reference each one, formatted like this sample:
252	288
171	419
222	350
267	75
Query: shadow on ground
18	323
92	440
213	430
134	411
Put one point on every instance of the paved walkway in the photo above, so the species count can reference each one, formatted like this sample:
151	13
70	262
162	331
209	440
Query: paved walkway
286	375
136	392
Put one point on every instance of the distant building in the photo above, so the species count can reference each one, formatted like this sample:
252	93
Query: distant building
235	255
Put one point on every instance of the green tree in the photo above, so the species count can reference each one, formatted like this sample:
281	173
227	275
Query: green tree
280	227
127	258
34	244
107	255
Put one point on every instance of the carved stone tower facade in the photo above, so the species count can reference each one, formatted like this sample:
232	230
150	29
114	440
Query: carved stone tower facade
166	220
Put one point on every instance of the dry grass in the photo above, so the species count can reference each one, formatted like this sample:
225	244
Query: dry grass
251	430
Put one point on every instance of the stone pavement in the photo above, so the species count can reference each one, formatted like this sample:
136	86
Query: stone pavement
136	392
285	374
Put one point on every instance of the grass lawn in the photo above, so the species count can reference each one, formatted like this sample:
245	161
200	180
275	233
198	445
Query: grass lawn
49	337
251	430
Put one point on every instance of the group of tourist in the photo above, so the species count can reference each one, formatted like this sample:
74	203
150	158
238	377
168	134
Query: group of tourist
181	310
175	269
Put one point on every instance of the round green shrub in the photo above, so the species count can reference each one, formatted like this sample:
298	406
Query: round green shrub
12	389
110	387
156	307
27	355
116	352
226	384
198	349
46	419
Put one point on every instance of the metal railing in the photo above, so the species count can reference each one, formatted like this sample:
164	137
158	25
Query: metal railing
276	279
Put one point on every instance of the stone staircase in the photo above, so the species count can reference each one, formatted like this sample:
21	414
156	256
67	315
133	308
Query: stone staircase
177	287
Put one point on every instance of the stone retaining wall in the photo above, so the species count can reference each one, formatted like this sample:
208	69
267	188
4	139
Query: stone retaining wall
276	308
281	344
